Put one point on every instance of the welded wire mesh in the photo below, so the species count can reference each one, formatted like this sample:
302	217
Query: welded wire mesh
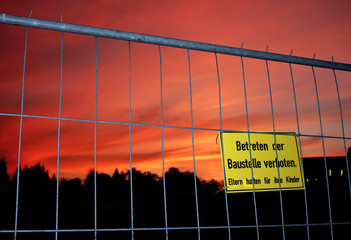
231	229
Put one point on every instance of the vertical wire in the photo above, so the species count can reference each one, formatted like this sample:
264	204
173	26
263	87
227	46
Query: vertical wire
163	153
221	131
95	175
299	134
343	131
130	146
193	147
20	132
58	139
248	135
276	151
325	159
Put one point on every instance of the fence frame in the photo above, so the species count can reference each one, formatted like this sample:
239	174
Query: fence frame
163	41
188	45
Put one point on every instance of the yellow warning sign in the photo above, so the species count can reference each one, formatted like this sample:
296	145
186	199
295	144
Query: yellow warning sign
261	169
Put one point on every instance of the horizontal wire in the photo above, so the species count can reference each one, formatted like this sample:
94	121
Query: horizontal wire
286	133
170	228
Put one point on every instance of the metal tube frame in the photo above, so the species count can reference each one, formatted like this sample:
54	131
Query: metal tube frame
163	41
188	45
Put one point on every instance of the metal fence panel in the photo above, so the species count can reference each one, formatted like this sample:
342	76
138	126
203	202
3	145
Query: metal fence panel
283	229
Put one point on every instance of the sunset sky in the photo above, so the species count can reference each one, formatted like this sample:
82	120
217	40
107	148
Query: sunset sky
307	27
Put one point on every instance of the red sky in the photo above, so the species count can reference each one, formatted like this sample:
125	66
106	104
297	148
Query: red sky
308	27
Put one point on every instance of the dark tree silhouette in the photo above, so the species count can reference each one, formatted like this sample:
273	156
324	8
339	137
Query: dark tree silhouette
36	198
4	177
37	203
6	198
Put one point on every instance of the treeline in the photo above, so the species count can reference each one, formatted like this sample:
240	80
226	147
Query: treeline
116	205
38	192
